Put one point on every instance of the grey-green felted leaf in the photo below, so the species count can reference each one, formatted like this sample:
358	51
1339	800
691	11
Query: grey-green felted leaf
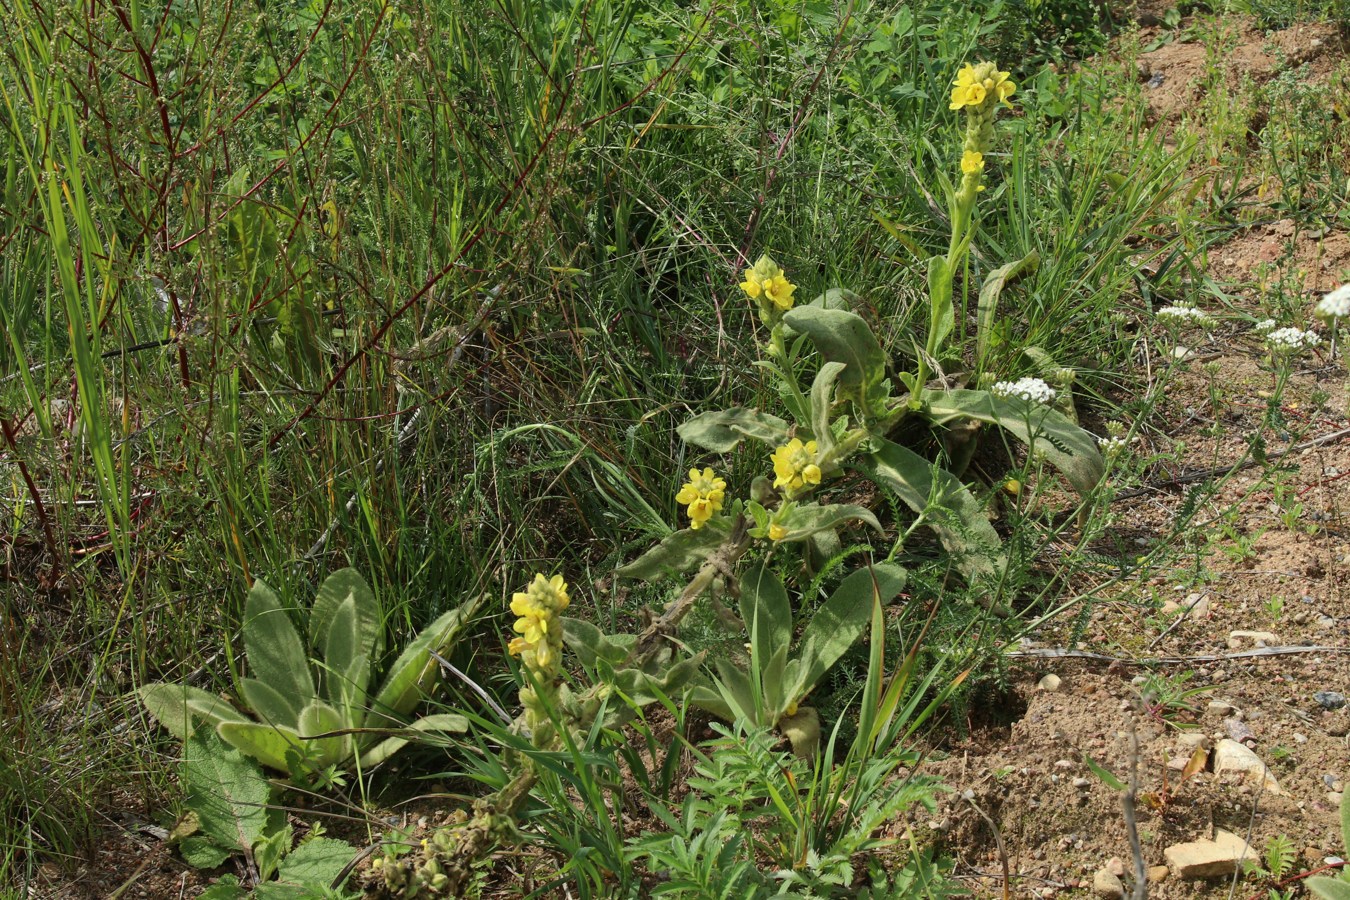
1062	443
822	399
733	684
276	655
268	704
591	644
839	623
766	611
335	589
772	686
720	431
712	701
179	708
942	317
677	553
811	519
346	667
844	337
642	688
319	718
265	743
227	792
442	723
315	863
989	296
1329	888
957	518
406	682
202	852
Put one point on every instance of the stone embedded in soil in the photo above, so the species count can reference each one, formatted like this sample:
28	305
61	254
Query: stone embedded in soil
1259	638
1219	708
1330	699
1050	683
1158	874
1107	885
1208	859
1230	756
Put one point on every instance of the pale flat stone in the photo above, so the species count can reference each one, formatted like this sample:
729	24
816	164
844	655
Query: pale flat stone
1230	756
1107	886
1049	683
1257	637
1208	859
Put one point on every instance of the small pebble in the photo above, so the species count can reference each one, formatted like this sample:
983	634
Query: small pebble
1329	699
1050	683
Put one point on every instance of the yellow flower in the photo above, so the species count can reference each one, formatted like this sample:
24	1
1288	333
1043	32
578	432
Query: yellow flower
517	646
534	628
972	162
703	494
765	279
538	607
777	532
795	466
975	83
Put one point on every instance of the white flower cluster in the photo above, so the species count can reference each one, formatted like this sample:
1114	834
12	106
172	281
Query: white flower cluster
1265	326
1033	390
1112	447
1292	340
1182	315
1335	305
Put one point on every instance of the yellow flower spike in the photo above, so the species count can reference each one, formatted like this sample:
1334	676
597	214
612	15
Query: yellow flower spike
972	162
765	279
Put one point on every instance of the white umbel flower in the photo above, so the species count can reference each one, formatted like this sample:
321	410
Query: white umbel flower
1335	305
1292	340
1111	447
1032	390
1182	315
1266	326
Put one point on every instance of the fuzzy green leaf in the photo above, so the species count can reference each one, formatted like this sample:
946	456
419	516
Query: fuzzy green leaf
224	890
844	337
808	520
265	743
678	552
953	512
942	318
412	671
720	431
1329	888
1066	446
179	708
337	588
590	644
766	611
839	623
227	792
276	655
346	665
267	703
442	723
989	296
320	718
822	399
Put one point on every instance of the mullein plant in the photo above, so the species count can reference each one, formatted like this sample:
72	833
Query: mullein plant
840	425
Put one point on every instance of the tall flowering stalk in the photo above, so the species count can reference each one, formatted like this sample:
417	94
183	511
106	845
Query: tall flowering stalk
539	645
979	89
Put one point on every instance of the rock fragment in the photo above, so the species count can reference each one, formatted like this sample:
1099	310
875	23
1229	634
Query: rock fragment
1208	859
1107	885
1231	756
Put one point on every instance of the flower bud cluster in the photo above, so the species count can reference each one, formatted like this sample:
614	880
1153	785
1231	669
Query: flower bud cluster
1177	316
704	494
